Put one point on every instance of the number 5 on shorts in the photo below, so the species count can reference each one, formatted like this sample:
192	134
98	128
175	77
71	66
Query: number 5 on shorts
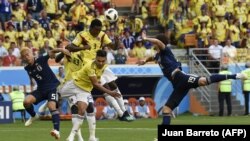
54	96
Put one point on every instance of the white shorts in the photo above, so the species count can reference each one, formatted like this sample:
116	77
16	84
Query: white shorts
107	76
69	89
72	100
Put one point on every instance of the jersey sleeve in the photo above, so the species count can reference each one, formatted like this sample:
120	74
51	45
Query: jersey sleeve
106	40
78	40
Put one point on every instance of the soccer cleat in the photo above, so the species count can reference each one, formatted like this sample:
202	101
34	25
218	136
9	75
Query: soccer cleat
93	139
241	76
55	134
126	118
31	119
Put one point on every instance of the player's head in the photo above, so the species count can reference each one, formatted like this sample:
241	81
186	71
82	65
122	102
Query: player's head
27	55
101	57
95	27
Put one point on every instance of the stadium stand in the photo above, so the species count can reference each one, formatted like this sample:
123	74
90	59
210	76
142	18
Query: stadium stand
100	103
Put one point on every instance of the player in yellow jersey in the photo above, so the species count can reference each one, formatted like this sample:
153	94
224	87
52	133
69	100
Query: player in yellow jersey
72	64
90	41
81	86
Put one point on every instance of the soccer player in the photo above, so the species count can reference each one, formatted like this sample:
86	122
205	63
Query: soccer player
91	41
39	70
82	84
72	64
181	82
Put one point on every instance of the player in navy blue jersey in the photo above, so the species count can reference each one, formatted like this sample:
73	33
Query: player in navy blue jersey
181	81
39	70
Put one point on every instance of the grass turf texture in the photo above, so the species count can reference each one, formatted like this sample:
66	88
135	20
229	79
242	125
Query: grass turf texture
113	130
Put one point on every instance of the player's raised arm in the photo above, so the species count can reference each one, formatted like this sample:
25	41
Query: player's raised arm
159	44
56	50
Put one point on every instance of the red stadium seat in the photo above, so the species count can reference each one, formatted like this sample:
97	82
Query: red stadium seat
133	102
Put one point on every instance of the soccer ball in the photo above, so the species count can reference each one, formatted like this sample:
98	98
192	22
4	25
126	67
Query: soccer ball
111	15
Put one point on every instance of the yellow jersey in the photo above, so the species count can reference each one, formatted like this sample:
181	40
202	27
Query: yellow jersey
72	64
81	77
95	43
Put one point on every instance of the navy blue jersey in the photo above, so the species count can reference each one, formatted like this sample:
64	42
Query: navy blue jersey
167	62
42	73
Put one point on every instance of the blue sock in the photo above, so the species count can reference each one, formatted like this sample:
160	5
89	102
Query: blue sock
166	119
30	110
55	119
218	77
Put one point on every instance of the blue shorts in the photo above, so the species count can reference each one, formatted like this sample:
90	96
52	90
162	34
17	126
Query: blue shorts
182	83
50	95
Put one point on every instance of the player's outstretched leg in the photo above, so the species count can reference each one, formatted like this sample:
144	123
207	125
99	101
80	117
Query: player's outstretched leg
90	115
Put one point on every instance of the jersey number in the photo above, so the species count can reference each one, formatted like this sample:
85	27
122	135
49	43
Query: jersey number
54	96
191	79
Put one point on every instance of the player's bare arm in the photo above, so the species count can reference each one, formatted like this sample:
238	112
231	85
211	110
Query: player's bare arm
74	48
56	50
97	85
160	45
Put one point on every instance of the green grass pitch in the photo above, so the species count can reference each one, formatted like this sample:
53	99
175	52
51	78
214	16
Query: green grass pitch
113	130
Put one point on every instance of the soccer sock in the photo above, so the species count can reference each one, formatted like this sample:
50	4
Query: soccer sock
166	119
217	78
79	134
31	111
112	102
55	119
77	123
92	124
120	100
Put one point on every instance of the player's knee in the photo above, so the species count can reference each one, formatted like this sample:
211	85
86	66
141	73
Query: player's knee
74	109
112	85
90	108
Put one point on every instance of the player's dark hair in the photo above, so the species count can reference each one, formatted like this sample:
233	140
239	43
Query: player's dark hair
101	53
162	38
95	23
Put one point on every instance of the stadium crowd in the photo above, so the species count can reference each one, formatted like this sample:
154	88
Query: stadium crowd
43	24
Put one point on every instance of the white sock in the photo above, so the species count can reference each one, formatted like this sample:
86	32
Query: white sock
120	100
112	102
77	123
92	124
79	134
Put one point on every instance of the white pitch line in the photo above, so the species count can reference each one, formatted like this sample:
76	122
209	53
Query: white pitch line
24	130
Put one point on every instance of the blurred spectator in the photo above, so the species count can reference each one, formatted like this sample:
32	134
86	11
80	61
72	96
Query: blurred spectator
11	32
234	32
3	50
44	21
139	50
106	4
50	39
34	8
144	12
128	40
45	49
17	98
215	53
70	32
109	113
51	7
128	107
135	25
5	11
142	110
18	12
16	49
6	42
220	30
110	56
248	39
135	8
230	51
98	6
29	21
9	59
120	57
